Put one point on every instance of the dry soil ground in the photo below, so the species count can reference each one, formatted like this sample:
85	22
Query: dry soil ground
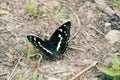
88	46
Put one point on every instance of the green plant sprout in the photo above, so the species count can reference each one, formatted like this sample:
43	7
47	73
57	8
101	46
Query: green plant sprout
116	3
62	13
29	51
29	75
3	11
113	72
31	11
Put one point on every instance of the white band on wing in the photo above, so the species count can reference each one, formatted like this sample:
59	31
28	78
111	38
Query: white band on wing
59	42
44	48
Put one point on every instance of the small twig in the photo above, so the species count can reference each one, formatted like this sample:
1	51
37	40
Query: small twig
11	75
94	47
79	24
2	74
96	30
58	72
11	21
73	47
83	71
39	61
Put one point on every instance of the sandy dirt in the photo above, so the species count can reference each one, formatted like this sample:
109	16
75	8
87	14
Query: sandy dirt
88	46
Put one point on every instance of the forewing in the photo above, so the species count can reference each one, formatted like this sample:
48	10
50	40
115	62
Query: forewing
60	37
40	44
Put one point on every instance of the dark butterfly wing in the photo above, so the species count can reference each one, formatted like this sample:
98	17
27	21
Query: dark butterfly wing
56	44
60	37
41	45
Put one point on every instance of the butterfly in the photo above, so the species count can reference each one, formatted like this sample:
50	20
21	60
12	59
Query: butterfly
56	44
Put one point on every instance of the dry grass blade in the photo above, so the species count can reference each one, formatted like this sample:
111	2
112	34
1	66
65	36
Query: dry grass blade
78	24
74	47
12	73
3	11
